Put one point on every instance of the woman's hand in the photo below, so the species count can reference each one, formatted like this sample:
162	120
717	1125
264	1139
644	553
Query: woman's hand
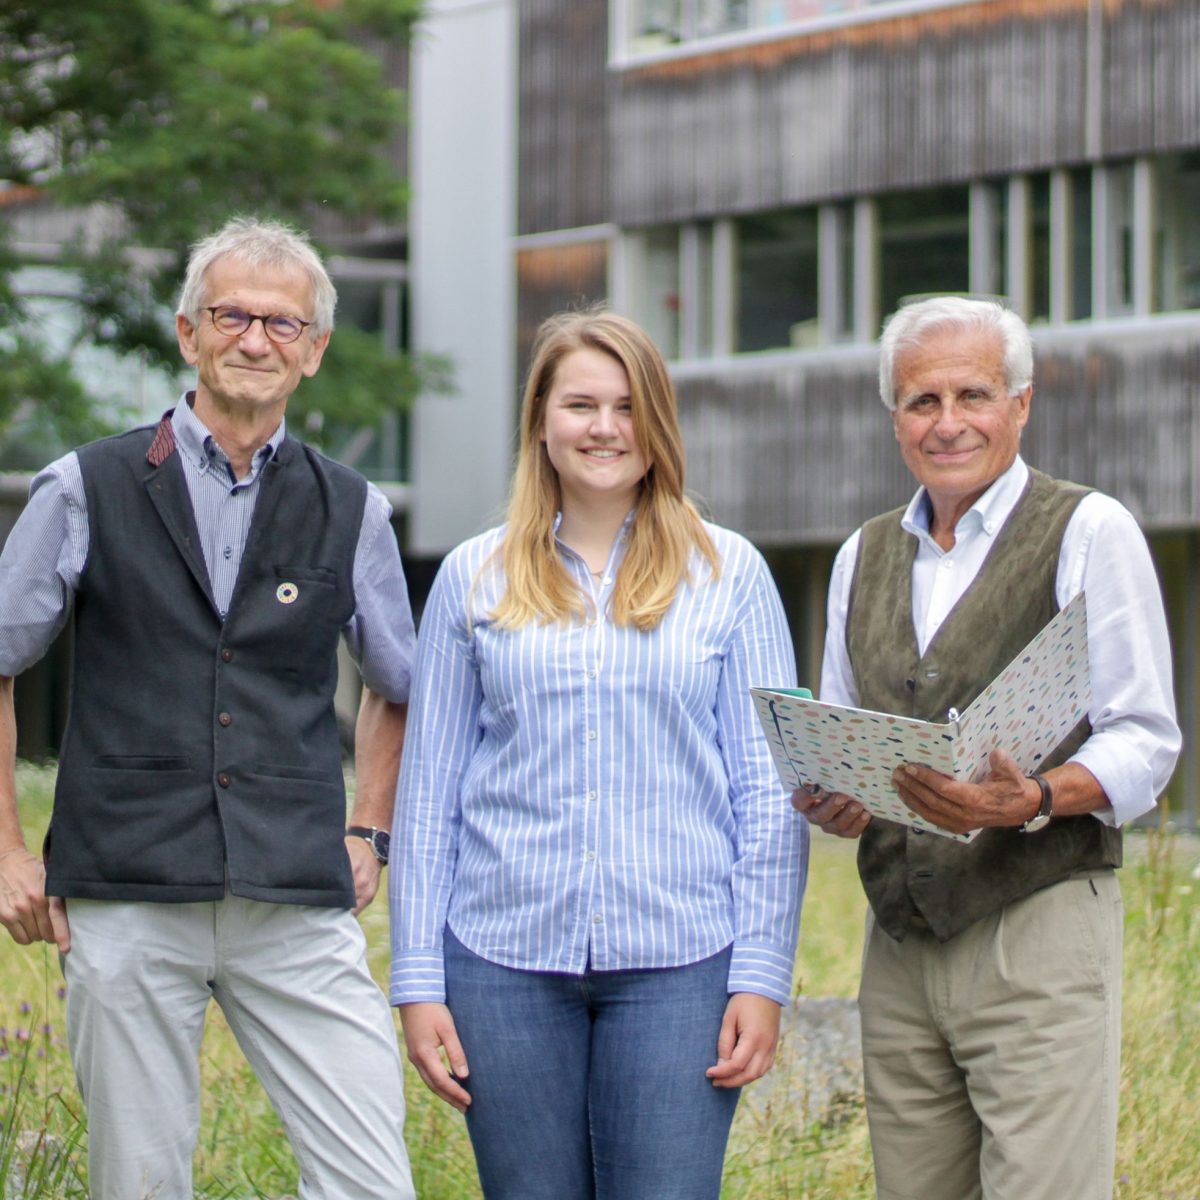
429	1028
746	1045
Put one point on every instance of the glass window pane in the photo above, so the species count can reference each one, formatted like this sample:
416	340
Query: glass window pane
1039	246
1118	287
654	24
777	280
1178	241
924	244
720	16
657	296
1081	243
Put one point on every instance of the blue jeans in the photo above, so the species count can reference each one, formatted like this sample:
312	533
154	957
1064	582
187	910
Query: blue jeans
592	1087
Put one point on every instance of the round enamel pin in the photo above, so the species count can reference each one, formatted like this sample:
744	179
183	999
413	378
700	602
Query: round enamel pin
286	593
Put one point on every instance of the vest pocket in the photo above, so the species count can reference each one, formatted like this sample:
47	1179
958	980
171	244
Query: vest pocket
141	762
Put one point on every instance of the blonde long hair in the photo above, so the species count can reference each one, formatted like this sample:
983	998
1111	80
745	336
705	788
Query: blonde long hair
666	526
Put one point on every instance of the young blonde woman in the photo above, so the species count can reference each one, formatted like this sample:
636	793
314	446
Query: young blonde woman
596	876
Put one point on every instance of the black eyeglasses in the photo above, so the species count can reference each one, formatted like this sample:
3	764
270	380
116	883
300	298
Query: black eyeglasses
233	322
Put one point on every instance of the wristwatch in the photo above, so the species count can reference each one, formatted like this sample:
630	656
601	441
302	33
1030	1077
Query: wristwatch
379	840
1041	818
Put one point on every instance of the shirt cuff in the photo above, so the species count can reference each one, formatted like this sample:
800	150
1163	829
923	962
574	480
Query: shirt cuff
1127	782
418	976
764	970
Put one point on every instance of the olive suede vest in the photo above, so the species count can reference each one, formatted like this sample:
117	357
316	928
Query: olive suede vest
921	880
201	750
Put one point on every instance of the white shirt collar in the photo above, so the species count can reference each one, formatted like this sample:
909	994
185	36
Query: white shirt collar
987	514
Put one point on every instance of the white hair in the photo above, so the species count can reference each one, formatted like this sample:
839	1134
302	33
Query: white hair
258	244
908	326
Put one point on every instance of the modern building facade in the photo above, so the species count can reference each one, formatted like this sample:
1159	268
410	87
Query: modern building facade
760	182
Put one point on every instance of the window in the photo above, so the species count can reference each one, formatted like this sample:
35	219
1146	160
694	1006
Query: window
1081	243
651	291
1177	245
777	280
1039	247
924	244
1112	238
655	25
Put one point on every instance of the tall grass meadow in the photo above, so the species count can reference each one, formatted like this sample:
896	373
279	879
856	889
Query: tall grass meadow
774	1155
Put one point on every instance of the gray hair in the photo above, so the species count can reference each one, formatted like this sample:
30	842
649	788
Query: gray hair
907	326
258	244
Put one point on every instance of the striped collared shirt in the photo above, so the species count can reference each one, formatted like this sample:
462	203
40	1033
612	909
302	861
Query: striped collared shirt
47	550
585	795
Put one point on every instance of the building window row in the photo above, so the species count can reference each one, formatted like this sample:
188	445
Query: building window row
1108	241
649	27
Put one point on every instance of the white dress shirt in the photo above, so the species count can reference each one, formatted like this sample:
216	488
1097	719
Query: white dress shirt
1135	739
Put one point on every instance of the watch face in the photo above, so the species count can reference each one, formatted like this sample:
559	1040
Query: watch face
1036	823
381	843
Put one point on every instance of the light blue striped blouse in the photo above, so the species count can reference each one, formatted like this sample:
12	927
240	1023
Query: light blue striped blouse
582	794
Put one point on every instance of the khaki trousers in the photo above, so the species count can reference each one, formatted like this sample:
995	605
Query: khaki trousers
293	984
992	1061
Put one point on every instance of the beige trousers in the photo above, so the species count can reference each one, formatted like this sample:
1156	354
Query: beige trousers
992	1061
293	984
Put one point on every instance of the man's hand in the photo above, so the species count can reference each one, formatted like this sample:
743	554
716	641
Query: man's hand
366	869
834	812
746	1043
428	1028
26	911
1005	798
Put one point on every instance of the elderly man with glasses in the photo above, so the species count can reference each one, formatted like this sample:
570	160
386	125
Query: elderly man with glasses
198	847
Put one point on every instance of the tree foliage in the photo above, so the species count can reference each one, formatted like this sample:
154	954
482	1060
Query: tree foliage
174	115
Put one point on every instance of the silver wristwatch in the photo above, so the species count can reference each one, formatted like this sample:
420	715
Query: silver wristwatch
379	840
1041	818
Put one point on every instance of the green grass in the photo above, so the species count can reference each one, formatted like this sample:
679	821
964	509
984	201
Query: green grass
242	1151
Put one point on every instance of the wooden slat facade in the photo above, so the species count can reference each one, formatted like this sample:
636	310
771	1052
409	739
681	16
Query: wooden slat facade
563	121
798	449
954	94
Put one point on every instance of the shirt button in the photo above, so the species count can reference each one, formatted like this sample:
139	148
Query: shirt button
225	719
224	780
227	656
591	795
591	735
228	551
591	674
591	856
597	919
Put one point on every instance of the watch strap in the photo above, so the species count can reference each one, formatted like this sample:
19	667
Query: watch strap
1041	818
378	839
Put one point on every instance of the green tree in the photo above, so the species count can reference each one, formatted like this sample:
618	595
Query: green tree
174	115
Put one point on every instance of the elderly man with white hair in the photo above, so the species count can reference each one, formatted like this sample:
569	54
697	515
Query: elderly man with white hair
991	978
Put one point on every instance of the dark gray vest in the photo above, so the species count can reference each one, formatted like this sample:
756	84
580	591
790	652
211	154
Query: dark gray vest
919	880
198	748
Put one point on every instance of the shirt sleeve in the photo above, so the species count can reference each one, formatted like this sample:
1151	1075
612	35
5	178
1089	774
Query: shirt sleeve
41	565
380	636
1135	738
442	736
837	676
771	866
